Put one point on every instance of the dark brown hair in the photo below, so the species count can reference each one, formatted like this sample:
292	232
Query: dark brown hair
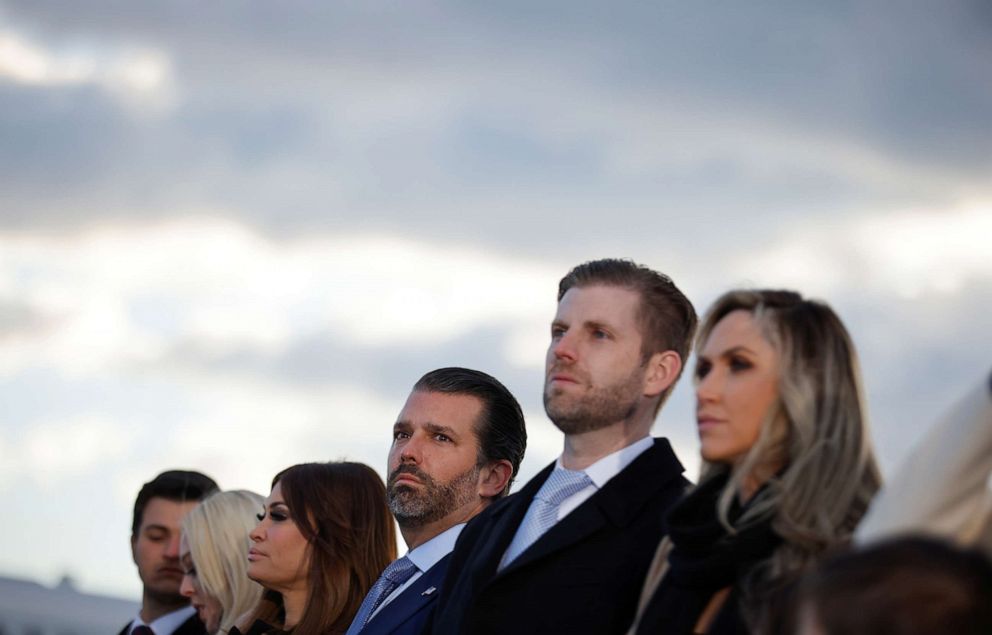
668	319
500	431
906	586
175	485
341	510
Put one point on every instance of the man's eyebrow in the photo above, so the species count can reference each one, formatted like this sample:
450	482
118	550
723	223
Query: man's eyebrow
158	527
436	428
597	324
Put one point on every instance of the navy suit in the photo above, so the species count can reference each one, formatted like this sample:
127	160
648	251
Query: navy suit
583	576
411	609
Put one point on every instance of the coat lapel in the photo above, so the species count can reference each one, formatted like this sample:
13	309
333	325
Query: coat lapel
414	598
615	504
505	522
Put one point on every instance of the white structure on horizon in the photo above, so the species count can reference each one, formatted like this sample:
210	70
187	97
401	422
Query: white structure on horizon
28	608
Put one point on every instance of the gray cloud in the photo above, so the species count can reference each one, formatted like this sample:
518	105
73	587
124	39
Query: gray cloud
327	358
492	124
16	318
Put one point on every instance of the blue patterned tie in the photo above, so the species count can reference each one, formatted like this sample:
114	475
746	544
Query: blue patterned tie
543	512
398	572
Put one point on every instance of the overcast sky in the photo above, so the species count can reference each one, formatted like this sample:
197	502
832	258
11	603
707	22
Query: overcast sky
232	235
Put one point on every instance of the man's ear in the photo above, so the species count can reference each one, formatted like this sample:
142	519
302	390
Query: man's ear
663	370
494	477
134	544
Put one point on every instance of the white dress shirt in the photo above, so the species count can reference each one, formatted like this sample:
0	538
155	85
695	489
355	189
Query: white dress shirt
166	624
602	471
424	557
599	474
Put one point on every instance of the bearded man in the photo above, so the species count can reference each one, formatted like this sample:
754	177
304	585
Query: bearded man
457	444
568	553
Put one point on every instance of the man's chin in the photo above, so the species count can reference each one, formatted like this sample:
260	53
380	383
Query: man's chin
576	425
167	595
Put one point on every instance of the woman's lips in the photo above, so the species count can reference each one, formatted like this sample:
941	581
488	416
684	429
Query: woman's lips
704	423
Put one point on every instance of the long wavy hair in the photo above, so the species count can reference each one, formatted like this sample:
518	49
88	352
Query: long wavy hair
217	531
813	452
341	510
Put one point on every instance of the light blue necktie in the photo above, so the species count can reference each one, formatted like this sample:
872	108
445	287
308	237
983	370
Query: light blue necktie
543	511
398	572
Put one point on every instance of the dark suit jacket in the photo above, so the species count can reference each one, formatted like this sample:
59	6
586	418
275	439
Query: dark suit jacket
583	576
192	626
407	614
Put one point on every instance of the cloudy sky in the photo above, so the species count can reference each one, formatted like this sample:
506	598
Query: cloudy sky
232	235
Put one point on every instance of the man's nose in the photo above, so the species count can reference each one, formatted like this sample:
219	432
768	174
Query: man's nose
564	347
172	546
412	449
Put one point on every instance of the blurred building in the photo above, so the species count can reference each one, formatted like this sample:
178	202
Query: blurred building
28	608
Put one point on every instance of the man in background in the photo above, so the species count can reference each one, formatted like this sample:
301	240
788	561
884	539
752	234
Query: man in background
159	510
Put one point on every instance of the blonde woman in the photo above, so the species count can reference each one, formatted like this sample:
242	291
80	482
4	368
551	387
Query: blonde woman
213	553
788	469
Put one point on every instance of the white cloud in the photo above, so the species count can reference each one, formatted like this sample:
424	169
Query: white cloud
908	253
53	450
117	295
138	75
918	252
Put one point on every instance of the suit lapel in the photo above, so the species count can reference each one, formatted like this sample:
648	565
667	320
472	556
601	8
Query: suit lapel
505	523
616	503
414	598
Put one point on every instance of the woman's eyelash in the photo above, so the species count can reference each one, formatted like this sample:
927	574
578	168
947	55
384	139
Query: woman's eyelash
739	364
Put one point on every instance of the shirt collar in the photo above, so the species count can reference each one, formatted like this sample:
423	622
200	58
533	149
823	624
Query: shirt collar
428	554
612	464
166	624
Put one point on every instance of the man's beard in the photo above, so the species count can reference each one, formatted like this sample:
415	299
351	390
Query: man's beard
415	507
598	408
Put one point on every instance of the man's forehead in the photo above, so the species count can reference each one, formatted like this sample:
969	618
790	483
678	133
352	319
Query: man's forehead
458	411
600	303
166	512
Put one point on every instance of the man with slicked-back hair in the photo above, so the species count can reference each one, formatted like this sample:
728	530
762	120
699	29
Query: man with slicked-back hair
457	444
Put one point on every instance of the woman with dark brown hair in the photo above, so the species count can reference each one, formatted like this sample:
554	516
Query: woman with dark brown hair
322	539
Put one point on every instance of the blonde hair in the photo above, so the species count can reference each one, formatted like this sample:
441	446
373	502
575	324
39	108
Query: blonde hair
217	533
814	452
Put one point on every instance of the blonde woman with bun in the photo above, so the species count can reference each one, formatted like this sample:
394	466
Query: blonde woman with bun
213	553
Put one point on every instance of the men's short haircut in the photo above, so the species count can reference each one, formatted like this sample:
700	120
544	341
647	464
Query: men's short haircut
500	429
668	320
174	485
904	586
